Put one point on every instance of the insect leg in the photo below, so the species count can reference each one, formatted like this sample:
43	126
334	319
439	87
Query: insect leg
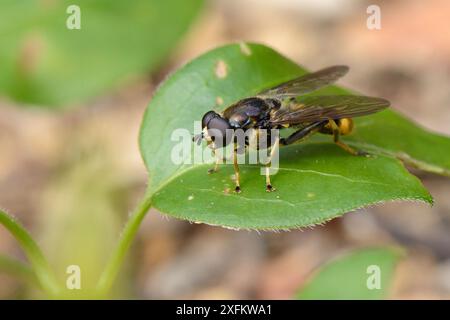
346	147
216	166
273	149
303	132
236	170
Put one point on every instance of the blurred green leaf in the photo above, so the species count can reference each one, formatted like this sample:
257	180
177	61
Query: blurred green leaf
354	276
317	180
18	269
45	63
34	254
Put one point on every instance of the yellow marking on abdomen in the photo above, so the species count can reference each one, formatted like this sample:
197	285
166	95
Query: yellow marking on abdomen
345	126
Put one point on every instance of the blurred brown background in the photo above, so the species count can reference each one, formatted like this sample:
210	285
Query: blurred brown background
47	159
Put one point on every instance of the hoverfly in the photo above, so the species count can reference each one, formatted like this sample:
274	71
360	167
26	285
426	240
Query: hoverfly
282	107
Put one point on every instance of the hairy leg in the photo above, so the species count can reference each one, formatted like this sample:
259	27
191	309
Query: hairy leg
344	146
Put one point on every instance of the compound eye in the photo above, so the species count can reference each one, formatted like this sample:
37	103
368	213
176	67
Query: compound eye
219	131
208	117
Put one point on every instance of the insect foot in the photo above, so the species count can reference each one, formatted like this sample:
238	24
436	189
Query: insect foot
269	188
237	189
212	170
364	154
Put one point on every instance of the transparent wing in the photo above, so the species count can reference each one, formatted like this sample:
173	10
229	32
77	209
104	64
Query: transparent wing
306	83
315	108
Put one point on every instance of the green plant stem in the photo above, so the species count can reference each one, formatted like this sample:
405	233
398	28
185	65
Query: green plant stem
129	232
34	254
19	270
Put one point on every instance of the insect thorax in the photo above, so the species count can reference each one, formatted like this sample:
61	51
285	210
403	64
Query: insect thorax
250	112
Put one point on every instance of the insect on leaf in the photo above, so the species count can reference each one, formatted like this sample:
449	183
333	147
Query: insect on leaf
317	181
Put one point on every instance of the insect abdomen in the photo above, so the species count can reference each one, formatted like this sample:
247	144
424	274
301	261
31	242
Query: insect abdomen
345	127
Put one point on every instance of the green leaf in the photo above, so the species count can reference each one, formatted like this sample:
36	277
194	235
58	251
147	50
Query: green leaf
18	269
315	183
363	274
45	63
317	180
33	252
390	133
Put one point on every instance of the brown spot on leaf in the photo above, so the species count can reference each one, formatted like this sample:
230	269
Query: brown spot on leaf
221	69
245	49
30	53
